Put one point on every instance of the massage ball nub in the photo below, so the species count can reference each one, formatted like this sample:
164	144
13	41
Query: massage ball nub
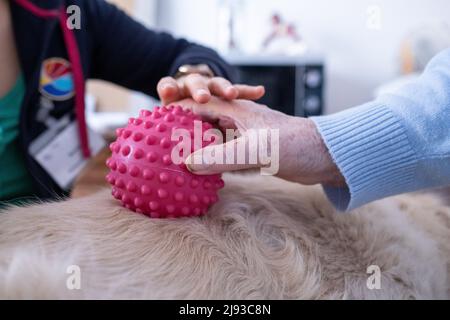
142	172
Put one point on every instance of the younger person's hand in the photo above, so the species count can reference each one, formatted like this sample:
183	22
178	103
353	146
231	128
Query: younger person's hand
201	88
303	156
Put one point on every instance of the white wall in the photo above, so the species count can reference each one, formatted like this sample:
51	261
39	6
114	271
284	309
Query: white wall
358	58
145	11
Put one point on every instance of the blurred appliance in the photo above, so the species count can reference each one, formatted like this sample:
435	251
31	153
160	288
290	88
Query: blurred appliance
294	85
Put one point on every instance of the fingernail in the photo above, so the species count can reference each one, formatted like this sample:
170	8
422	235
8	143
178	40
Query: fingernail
200	172
167	86
196	169
198	165
189	162
190	168
202	92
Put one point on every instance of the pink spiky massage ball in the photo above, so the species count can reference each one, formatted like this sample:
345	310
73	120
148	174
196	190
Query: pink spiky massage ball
142	172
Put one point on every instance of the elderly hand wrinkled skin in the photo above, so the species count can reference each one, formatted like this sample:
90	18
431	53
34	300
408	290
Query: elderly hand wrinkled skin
303	156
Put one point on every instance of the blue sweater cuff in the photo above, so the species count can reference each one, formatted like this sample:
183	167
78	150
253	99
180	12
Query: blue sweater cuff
371	149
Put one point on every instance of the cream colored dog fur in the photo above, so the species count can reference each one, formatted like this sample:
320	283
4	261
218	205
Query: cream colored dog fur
265	239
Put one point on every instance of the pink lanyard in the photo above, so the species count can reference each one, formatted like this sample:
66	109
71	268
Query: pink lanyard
75	60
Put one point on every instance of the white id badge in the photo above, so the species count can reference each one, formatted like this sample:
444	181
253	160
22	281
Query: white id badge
58	151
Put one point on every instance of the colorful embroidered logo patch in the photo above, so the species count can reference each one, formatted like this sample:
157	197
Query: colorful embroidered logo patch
56	81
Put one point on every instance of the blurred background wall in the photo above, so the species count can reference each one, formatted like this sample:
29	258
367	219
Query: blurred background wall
363	42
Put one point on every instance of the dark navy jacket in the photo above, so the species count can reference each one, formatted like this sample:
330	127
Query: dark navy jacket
111	46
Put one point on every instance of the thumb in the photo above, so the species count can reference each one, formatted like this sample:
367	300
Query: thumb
231	156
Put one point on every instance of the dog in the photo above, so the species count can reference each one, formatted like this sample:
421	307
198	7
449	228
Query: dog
265	239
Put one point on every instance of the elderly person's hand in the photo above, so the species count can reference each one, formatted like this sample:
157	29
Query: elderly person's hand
303	156
201	88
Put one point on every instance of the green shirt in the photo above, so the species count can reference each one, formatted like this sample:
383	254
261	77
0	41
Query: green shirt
15	181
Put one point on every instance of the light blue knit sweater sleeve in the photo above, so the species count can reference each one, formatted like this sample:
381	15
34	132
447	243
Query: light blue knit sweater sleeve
398	143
